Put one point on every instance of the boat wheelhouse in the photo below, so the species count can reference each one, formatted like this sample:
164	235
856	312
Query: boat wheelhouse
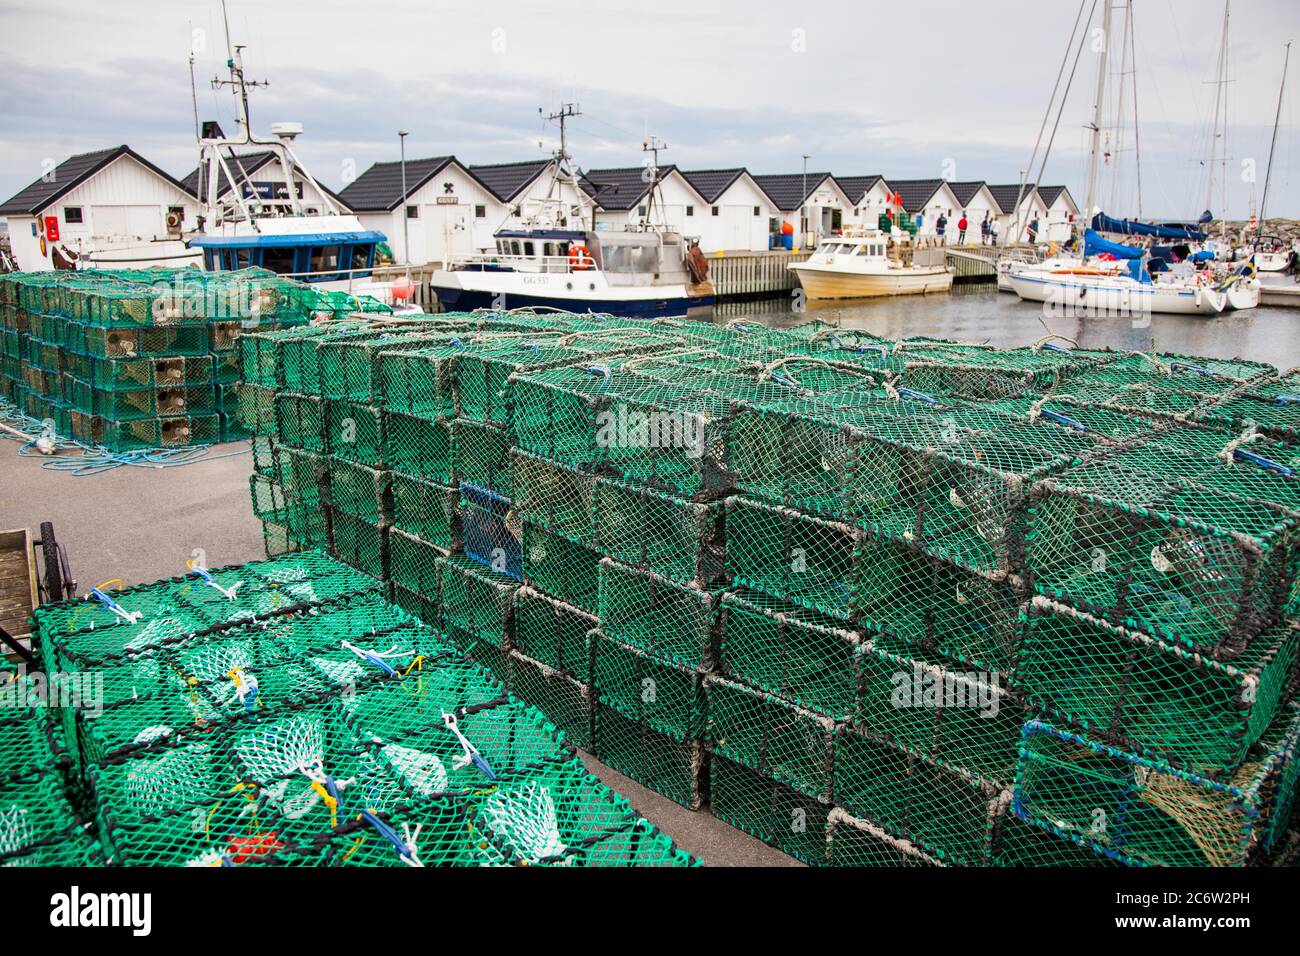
863	263
311	256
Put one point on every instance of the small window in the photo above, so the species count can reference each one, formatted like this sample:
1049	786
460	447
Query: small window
714	210
690	210
548	249
480	212
412	212
757	211
72	214
641	211
278	259
324	259
528	249
361	257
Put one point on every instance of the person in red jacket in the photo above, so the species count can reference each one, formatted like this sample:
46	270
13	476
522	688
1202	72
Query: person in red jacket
961	229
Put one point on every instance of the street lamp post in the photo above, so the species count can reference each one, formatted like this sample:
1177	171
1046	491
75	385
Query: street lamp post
406	224
803	204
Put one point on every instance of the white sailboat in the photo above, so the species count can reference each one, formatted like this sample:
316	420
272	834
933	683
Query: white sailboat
1122	285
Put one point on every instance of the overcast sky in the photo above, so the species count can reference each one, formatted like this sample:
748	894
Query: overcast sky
919	89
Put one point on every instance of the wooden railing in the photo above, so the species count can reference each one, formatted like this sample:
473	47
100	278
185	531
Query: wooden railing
754	273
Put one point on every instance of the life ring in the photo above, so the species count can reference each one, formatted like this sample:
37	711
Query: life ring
580	258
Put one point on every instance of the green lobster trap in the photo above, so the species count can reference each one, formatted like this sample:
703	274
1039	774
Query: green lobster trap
673	621
853	842
675	537
1143	812
559	567
556	635
566	702
777	814
675	768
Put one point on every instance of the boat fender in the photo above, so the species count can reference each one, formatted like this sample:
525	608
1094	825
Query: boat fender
697	265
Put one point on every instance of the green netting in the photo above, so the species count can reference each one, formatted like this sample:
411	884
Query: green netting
555	635
476	598
1146	813
649	529
566	702
360	491
418	448
944	812
425	509
963	719
647	610
256	409
854	842
349	367
993	374
797	654
300	421
774	737
1171	538
789	820
936	605
1272	404
480	454
554	497
1021	844
659	694
355	432
560	568
359	542
809	561
672	767
1158	698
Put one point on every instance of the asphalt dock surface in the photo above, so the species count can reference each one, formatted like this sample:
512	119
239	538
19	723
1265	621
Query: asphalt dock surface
142	524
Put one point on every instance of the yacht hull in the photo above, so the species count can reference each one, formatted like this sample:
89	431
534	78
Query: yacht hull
670	302
1117	297
821	283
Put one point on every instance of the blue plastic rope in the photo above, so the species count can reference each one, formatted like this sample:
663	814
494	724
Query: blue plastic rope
1065	420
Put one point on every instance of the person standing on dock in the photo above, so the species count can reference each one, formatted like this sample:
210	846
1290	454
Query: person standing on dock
985	230
940	226
1032	230
962	224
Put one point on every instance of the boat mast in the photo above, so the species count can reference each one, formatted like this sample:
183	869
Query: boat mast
1119	107
1277	118
652	145
1218	138
563	168
1097	110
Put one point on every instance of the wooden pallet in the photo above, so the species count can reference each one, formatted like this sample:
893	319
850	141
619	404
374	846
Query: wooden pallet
18	593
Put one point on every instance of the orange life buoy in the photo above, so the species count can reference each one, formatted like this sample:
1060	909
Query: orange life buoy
580	258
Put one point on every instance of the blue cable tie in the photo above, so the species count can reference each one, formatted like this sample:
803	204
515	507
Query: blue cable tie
917	396
1065	420
1261	462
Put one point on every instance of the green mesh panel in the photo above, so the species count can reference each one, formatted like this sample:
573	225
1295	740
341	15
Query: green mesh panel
1161	699
661	695
1170	539
360	491
645	528
566	702
425	509
355	432
559	499
560	568
854	842
1021	844
480	455
646	610
1145	812
413	563
944	812
300	421
361	543
475	598
767	734
418	448
787	819
674	768
554	634
806	560
796	654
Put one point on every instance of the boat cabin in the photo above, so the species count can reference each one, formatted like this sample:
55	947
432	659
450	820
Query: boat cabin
614	253
309	257
863	246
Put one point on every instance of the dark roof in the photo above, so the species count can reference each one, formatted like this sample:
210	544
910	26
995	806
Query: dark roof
1006	194
966	191
1049	194
855	187
786	190
249	163
712	183
508	180
379	188
71	173
620	188
915	193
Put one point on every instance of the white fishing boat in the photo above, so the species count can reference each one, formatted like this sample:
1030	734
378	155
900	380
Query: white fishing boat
861	264
558	259
1096	293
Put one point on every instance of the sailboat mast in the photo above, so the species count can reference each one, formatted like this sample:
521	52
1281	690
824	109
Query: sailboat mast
1097	112
1215	134
1277	118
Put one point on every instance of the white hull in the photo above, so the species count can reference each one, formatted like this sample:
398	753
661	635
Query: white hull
1243	294
823	282
1272	261
1117	295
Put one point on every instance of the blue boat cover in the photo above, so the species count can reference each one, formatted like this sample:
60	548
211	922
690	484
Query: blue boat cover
297	239
1129	227
1095	245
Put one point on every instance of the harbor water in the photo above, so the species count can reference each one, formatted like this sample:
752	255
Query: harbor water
979	313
